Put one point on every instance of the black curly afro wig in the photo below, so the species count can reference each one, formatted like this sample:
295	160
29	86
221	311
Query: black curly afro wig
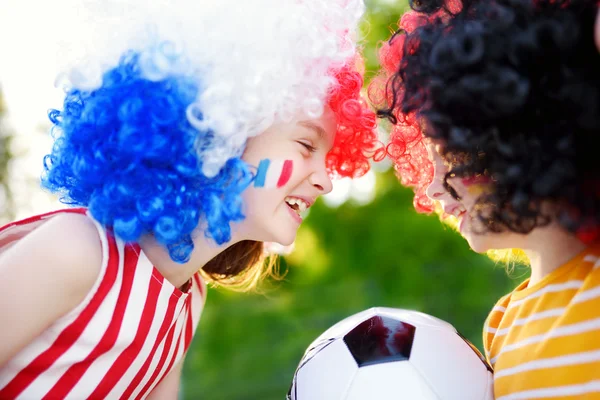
511	89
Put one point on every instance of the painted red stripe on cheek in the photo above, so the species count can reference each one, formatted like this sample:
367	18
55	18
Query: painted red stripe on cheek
476	180
286	173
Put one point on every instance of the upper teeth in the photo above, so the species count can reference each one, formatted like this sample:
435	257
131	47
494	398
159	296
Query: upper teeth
302	205
457	211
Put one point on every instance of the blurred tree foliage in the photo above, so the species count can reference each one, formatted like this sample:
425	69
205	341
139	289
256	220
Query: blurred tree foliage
6	202
380	22
346	260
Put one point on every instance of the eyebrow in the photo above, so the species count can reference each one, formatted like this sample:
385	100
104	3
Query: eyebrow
311	125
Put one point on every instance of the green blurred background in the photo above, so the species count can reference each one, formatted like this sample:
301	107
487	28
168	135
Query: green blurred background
346	259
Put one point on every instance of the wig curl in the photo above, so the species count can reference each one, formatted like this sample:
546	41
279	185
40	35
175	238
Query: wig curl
126	151
512	92
156	117
260	61
356	142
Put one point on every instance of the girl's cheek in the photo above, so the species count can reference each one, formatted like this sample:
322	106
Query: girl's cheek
476	185
273	173
475	190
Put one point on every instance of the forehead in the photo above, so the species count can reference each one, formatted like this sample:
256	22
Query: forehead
434	151
323	127
435	147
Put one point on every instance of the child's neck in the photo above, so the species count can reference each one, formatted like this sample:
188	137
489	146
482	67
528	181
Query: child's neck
548	248
178	274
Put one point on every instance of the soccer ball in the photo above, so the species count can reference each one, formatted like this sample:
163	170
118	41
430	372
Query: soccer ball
388	353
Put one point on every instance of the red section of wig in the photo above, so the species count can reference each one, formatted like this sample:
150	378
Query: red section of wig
406	146
356	139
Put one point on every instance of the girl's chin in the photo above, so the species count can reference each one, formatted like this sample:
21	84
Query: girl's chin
486	241
478	247
477	243
482	243
461	224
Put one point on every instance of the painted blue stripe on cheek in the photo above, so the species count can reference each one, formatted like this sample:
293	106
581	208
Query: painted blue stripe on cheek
261	174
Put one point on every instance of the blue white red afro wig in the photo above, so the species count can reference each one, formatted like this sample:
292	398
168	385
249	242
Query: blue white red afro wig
164	95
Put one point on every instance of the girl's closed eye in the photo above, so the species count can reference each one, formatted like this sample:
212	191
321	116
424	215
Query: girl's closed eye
308	146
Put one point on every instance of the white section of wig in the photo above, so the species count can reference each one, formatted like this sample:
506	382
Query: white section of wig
256	61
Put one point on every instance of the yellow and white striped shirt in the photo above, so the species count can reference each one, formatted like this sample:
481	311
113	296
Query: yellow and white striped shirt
544	340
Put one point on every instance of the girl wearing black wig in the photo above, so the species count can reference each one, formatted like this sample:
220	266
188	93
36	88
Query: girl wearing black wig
496	112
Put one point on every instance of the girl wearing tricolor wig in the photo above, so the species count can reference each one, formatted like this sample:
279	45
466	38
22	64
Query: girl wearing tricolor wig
192	133
496	106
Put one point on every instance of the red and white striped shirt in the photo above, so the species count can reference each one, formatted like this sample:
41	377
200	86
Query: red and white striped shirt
126	335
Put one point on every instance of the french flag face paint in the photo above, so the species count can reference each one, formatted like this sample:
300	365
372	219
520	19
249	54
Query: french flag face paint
476	180
476	185
273	173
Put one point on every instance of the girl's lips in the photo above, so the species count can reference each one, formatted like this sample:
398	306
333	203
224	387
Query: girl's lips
455	211
294	214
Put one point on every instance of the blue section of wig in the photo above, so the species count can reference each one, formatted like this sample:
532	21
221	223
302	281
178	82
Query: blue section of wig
126	151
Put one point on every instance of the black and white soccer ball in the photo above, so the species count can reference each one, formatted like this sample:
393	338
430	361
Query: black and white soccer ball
388	353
